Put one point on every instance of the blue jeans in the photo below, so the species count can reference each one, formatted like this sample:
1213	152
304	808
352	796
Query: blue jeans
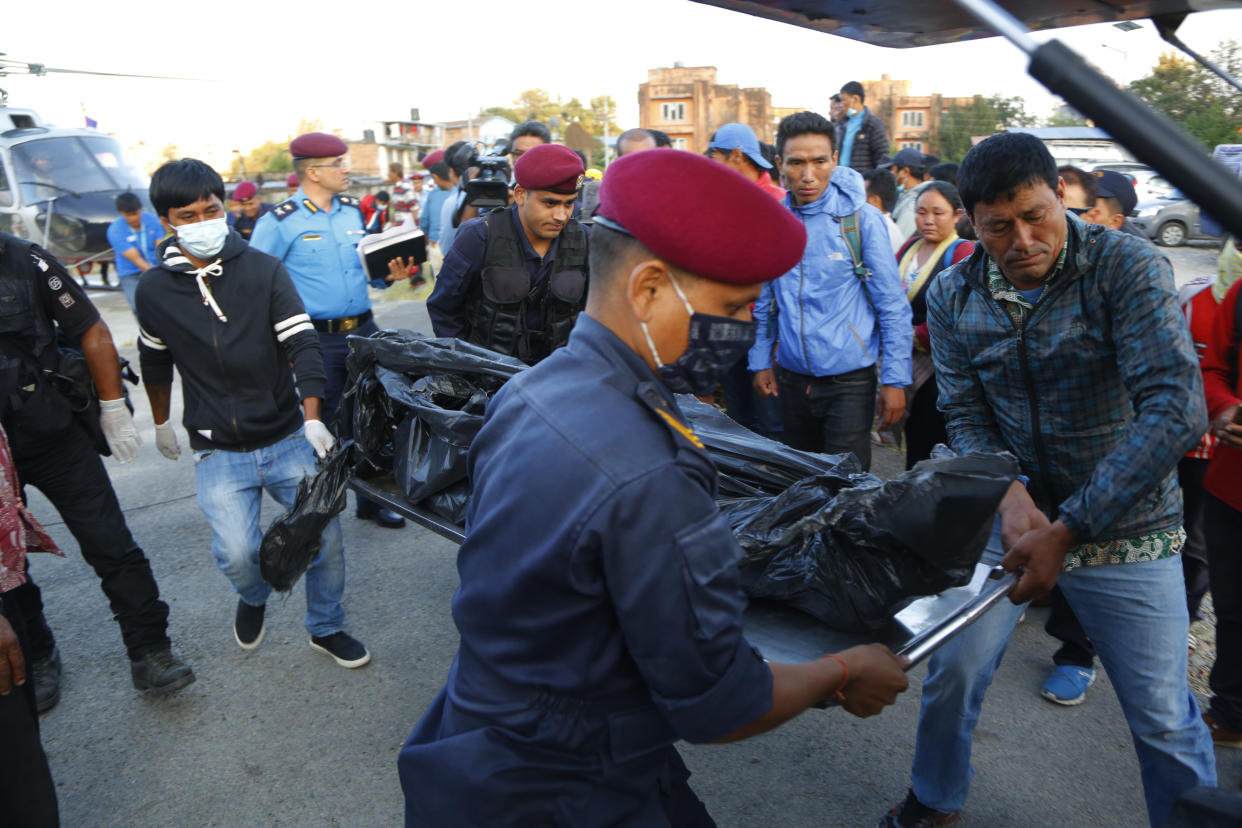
1136	616
129	284
230	493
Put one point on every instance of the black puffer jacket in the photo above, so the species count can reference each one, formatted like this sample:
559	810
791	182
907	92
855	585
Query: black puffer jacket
232	340
870	144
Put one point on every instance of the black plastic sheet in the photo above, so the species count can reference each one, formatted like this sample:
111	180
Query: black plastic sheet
416	405
846	549
292	542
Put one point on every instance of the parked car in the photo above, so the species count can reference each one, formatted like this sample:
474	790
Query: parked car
1170	221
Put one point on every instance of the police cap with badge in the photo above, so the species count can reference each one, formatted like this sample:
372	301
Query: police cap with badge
708	220
551	167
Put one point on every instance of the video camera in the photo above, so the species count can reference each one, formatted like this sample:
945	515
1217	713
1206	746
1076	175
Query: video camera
490	188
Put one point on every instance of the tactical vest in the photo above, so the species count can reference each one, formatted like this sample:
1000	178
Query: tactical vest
25	329
499	319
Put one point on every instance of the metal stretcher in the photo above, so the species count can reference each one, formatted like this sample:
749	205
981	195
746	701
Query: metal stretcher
789	635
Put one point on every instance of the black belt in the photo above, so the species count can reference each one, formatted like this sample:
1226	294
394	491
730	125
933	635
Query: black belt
342	325
858	373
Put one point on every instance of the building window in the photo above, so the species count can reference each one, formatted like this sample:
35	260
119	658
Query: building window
914	145
912	118
673	111
678	143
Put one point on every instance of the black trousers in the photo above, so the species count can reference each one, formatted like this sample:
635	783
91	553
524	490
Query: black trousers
27	794
1062	624
336	373
925	425
829	414
70	473
1223	529
1190	471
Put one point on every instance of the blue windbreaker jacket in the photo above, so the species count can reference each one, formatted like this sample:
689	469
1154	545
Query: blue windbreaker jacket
818	312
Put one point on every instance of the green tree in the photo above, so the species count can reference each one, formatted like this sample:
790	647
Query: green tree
980	118
539	105
1067	117
1195	97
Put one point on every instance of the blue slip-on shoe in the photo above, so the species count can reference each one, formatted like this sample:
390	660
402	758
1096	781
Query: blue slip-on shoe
1068	684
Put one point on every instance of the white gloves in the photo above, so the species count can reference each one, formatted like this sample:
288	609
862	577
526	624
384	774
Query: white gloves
166	440
118	428
319	437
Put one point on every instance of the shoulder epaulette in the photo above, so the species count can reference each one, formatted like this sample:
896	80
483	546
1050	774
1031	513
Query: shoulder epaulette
348	200
285	209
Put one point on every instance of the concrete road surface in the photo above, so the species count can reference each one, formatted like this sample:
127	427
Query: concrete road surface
282	736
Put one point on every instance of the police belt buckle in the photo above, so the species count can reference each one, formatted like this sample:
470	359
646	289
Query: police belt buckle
349	323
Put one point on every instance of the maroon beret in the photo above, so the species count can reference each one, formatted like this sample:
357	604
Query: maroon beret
419	173
245	190
292	180
700	216
317	145
433	157
551	167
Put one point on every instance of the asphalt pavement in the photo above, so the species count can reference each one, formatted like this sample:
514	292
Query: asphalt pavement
283	736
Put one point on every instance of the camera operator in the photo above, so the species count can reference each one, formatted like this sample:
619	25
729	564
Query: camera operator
516	278
525	137
459	165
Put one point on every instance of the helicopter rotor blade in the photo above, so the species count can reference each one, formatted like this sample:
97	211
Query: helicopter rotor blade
39	69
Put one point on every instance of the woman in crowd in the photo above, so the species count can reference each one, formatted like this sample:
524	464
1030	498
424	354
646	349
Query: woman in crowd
920	260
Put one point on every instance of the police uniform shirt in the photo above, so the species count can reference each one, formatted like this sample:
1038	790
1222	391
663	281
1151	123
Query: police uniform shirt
318	248
244	224
458	285
60	298
600	605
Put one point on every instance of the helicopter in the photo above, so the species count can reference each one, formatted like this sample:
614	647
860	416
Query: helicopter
58	185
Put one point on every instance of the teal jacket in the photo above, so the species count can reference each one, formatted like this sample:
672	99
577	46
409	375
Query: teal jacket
1097	392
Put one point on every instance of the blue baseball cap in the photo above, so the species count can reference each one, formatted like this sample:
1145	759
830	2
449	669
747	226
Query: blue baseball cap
739	136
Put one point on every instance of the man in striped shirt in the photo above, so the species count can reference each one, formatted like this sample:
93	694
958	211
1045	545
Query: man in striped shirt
229	318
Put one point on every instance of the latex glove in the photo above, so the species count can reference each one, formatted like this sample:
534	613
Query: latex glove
118	428
166	440
319	437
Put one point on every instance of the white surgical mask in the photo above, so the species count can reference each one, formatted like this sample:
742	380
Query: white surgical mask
203	239
851	112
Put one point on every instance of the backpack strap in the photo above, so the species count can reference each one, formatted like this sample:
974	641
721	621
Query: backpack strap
853	240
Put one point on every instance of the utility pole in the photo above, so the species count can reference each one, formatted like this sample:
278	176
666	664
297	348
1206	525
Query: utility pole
605	132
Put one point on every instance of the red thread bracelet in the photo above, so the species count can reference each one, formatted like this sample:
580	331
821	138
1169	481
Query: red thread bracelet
845	677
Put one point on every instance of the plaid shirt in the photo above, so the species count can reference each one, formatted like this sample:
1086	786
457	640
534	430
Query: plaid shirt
1095	388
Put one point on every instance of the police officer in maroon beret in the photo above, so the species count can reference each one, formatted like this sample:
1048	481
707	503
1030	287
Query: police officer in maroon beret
316	234
516	278
600	606
246	194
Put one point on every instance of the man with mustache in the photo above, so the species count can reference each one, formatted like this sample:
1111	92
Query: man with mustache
1063	343
515	279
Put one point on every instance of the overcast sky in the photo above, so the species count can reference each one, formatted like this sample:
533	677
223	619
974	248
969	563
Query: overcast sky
273	64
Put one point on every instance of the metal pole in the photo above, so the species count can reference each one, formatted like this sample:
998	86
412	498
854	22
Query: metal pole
1002	22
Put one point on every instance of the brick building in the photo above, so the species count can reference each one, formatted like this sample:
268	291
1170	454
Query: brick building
393	142
687	103
486	128
909	119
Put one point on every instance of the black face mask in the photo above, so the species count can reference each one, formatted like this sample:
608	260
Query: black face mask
716	344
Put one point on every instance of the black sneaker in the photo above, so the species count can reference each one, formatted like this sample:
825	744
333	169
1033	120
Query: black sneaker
46	672
160	673
346	650
248	625
914	814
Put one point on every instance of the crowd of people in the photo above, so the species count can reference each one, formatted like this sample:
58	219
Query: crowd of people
828	294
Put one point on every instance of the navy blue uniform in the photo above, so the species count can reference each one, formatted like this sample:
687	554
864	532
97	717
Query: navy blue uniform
458	285
319	249
600	609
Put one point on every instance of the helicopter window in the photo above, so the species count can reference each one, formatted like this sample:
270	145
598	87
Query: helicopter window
108	153
56	167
